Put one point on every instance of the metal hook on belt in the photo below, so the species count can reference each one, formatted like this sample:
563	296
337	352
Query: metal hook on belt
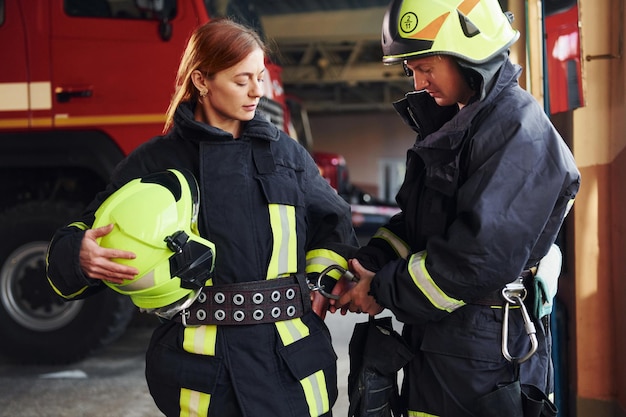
514	294
320	287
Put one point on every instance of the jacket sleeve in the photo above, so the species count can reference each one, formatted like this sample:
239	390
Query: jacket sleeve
62	264
387	244
331	239
62	261
521	180
424	116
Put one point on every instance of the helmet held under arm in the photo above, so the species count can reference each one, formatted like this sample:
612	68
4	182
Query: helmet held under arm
473	30
155	217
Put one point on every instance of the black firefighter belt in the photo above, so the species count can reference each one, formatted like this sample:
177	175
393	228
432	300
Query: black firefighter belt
246	303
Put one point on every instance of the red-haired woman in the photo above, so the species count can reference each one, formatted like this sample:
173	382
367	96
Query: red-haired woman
257	348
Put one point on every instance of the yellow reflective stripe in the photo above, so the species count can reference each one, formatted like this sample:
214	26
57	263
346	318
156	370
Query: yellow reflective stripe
423	280
146	282
314	386
316	393
80	225
319	259
291	330
398	245
421	414
194	403
68	296
200	340
284	259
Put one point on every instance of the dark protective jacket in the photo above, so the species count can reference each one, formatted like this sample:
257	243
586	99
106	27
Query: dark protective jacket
485	194
280	369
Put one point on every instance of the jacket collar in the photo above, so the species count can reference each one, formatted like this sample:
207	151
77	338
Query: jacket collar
187	127
422	114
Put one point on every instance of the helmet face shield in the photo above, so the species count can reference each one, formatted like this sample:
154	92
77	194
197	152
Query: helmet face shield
474	30
156	218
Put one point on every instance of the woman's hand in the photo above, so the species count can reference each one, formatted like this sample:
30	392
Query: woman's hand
322	304
97	262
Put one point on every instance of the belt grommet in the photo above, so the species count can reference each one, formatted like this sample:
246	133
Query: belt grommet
200	314
290	293
239	315
220	315
275	312
291	311
258	315
238	299
201	297
219	297
275	296
257	298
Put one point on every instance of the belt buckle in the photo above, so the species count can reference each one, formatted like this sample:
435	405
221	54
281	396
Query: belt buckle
513	290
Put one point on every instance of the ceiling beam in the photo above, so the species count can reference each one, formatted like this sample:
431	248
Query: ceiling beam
332	60
343	25
352	74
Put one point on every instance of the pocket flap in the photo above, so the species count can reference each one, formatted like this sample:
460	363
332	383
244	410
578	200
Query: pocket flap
281	187
309	355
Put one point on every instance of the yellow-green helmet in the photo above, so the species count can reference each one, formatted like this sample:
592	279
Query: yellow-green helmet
473	30
156	218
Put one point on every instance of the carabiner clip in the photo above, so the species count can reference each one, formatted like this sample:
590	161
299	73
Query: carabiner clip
514	294
320	287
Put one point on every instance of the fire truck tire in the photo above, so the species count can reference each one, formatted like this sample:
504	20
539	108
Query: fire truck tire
36	325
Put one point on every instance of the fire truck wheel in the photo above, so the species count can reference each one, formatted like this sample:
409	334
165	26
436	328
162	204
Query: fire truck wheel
36	325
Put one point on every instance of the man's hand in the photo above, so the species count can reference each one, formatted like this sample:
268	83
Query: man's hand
96	261
357	299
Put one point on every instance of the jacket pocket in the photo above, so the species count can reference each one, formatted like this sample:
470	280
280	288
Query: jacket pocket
174	369
471	332
309	355
281	187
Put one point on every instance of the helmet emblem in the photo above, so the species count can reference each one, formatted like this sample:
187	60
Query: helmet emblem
408	22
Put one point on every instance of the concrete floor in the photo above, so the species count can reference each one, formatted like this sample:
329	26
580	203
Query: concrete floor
111	383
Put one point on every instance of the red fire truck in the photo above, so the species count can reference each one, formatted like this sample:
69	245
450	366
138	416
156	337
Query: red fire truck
82	83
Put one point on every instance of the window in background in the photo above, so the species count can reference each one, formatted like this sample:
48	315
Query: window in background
122	9
390	177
